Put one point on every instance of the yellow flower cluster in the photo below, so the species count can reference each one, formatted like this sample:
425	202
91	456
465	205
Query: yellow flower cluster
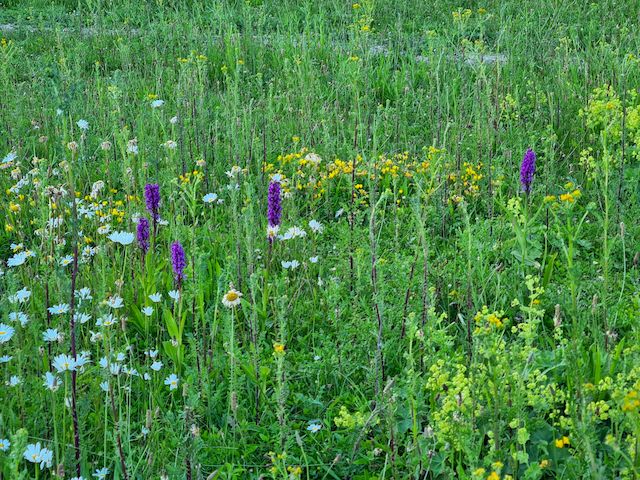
466	183
190	176
486	318
348	420
562	442
461	15
194	57
631	402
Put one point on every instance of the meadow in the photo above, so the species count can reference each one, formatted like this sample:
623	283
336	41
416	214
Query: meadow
268	239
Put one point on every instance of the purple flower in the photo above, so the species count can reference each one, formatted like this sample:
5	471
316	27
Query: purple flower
274	210
152	198
143	234
527	170
178	261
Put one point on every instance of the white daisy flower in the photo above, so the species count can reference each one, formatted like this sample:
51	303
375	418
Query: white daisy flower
314	427
123	238
115	302
172	381
316	226
157	103
64	362
59	309
148	311
106	321
17	260
37	454
101	473
66	260
82	124
272	231
155	297
293	264
293	232
6	332
210	198
51	335
232	298
22	295
9	157
84	294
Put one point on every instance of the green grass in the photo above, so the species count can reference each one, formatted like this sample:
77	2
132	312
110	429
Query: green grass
452	325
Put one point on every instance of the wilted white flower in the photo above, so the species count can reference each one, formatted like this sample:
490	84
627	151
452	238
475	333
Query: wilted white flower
51	381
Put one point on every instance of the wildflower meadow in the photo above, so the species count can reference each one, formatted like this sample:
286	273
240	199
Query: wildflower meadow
267	239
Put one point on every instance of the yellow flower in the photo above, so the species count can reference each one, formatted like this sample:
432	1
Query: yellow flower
278	348
544	463
493	476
